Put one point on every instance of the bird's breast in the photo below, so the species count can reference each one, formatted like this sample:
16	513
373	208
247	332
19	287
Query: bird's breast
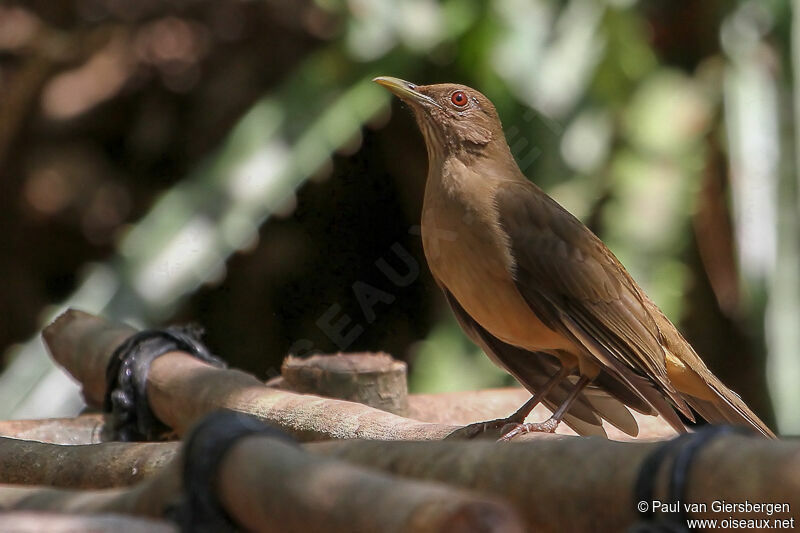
467	251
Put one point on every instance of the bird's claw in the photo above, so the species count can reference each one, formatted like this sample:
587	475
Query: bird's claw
548	426
480	429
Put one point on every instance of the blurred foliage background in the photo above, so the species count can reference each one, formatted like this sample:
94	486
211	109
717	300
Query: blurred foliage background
229	162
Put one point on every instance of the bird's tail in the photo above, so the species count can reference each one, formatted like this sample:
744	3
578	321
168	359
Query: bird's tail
726	407
698	386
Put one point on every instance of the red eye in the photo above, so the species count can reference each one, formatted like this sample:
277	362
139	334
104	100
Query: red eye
459	98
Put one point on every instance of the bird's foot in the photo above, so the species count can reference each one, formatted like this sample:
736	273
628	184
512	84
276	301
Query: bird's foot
489	429
548	426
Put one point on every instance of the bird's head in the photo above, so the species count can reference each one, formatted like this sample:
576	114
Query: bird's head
453	118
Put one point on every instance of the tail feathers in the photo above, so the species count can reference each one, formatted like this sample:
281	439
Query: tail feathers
655	398
727	408
581	427
719	404
612	410
623	393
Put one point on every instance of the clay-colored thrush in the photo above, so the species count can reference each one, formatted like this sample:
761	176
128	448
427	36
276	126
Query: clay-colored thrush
540	293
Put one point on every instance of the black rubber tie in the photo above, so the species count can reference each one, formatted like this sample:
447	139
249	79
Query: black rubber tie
126	378
684	449
200	510
644	490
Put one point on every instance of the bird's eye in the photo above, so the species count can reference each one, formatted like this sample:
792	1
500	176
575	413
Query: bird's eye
459	99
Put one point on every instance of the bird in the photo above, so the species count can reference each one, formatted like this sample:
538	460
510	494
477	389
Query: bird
540	293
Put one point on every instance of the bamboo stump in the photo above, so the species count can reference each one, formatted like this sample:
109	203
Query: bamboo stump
374	379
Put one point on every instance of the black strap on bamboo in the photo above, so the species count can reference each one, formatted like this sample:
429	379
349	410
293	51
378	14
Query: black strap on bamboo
200	510
682	450
126	378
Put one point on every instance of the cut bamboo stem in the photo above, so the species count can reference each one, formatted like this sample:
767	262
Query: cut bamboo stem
374	379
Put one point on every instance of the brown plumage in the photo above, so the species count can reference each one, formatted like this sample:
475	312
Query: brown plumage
539	292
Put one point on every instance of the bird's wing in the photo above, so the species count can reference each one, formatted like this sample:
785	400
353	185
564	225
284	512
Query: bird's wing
577	287
533	369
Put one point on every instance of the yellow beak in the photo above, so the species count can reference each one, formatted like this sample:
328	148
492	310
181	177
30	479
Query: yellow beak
405	90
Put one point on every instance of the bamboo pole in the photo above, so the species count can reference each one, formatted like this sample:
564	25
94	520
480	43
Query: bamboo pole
83	429
32	522
96	466
555	483
585	484
311	493
267	485
149	498
182	389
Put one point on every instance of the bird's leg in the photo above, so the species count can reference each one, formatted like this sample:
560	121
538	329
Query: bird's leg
522	413
478	428
549	425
